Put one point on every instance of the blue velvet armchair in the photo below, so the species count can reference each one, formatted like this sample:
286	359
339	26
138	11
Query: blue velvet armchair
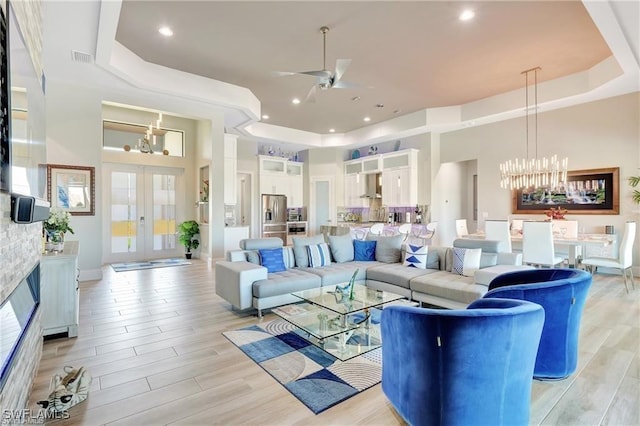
562	293
465	367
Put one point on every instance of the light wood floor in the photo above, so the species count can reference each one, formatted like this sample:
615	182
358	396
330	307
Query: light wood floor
152	341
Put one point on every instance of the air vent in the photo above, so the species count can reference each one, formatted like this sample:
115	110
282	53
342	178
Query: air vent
81	57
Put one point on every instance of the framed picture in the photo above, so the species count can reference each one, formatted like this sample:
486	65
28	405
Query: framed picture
72	188
593	191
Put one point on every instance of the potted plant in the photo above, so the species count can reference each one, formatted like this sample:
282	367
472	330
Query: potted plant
634	181
187	231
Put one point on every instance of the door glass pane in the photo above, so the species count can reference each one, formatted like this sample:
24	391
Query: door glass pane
123	212
322	204
164	212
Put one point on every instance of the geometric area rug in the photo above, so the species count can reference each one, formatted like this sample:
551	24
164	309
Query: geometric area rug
149	264
318	379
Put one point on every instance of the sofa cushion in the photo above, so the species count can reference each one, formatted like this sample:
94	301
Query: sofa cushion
272	259
466	261
340	273
448	286
415	256
364	250
484	276
396	274
300	248
318	255
285	282
387	248
341	247
260	243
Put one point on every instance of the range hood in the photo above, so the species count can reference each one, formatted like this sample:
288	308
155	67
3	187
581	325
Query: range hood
373	187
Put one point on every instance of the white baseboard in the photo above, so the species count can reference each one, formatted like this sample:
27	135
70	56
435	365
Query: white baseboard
90	275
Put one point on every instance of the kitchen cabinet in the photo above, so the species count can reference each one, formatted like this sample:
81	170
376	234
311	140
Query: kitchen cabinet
400	178
59	291
354	187
371	164
281	176
230	170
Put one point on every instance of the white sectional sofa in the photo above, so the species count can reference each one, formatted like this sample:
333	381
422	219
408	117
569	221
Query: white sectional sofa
245	284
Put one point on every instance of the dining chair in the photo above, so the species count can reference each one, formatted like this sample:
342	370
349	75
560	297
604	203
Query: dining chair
624	260
405	230
565	228
428	232
537	244
359	233
516	226
377	228
461	228
499	230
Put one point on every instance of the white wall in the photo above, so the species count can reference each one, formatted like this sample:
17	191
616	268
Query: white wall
599	134
74	137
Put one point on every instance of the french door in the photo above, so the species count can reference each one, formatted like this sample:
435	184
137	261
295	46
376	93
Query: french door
142	207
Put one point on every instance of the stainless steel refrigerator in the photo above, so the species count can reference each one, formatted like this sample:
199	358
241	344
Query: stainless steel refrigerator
274	216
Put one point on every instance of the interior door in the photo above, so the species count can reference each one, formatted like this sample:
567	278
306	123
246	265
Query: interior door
323	208
142	209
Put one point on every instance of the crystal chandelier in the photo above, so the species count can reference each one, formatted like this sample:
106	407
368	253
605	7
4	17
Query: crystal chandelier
148	141
533	172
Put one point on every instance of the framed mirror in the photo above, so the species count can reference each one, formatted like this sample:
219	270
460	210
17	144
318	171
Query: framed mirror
72	188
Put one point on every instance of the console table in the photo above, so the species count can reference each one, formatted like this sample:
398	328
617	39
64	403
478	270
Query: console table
59	291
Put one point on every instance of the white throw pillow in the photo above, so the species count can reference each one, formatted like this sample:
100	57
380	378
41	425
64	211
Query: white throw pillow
416	256
466	261
319	255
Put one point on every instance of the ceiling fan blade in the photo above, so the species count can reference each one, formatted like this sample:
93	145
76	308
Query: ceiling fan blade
318	73
346	85
311	96
341	68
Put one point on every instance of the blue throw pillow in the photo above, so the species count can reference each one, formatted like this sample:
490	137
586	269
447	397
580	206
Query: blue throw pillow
364	250
272	259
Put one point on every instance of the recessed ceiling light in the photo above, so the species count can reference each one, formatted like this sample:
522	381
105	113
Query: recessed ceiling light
379	105
355	98
265	117
396	111
295	101
466	15
332	130
165	31
367	119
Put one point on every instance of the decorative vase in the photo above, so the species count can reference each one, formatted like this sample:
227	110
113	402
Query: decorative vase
55	241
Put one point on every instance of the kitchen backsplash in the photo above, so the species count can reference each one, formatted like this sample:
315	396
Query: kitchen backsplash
402	214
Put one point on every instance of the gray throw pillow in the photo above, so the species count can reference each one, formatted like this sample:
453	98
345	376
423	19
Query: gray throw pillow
253	257
433	260
388	249
341	247
300	248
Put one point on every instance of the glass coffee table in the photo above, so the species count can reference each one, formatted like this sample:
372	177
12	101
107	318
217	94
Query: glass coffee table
337	324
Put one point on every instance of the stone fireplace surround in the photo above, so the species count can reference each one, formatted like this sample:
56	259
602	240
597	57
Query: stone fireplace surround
20	251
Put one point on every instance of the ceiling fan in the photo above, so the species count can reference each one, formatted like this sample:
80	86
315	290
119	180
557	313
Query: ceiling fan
326	79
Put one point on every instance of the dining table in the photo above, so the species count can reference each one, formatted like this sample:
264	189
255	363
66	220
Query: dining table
575	245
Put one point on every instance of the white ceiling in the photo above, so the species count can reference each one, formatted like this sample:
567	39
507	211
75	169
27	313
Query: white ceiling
417	57
414	55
